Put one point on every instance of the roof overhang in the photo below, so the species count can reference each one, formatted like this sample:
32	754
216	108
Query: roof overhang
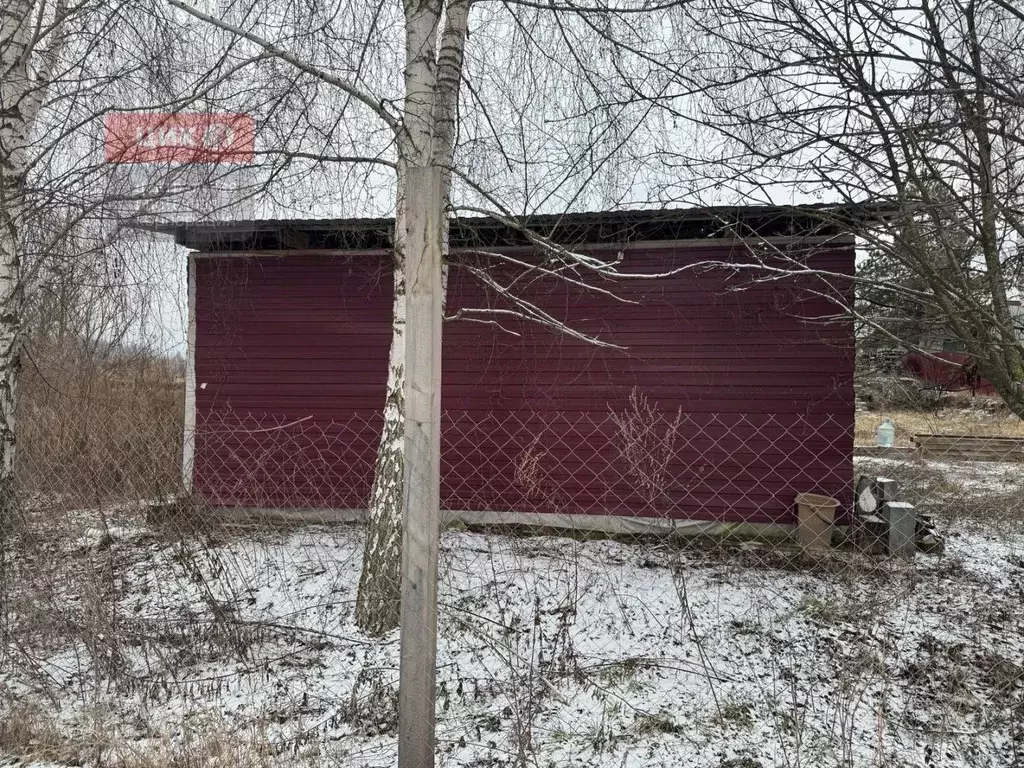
570	229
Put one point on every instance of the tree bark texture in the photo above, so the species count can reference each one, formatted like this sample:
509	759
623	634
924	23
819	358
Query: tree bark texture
19	102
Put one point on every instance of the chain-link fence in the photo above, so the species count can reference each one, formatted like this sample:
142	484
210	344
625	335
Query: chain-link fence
626	589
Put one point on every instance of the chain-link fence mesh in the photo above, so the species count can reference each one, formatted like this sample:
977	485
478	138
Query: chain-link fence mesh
631	589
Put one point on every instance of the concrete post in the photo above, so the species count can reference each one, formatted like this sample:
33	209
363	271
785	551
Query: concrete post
420	514
902	529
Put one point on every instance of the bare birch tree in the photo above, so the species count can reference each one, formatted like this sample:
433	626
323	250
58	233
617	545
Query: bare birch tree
63	215
432	78
25	71
917	106
562	73
62	65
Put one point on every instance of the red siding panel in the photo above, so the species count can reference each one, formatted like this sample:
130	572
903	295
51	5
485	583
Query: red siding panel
291	360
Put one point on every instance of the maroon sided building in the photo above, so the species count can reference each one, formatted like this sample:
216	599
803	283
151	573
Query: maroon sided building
749	370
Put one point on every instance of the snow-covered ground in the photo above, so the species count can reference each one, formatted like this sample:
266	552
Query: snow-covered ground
553	652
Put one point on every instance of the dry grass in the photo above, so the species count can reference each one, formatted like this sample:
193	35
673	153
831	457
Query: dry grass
203	741
34	733
31	732
94	430
958	421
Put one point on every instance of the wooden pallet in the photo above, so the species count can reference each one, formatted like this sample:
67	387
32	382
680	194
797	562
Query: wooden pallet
970	447
893	451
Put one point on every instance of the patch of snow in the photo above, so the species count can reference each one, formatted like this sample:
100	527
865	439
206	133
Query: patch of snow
564	652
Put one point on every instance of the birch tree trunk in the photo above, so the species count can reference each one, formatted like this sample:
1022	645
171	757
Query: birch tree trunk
19	101
432	77
378	601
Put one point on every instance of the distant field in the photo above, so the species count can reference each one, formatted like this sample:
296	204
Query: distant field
960	421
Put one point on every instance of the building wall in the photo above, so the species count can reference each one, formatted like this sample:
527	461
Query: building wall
948	366
291	358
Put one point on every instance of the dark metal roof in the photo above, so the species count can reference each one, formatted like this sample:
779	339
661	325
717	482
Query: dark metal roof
569	229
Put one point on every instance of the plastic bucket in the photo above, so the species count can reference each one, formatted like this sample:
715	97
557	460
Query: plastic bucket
815	516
